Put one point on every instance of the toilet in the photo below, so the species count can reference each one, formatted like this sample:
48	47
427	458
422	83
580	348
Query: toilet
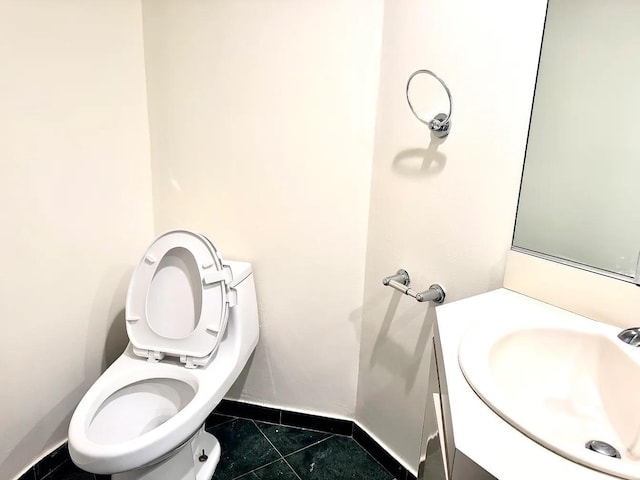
192	322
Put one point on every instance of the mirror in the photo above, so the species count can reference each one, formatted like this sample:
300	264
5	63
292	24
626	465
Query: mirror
582	162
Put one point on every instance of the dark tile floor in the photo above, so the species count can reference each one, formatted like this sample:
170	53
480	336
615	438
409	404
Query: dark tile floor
253	450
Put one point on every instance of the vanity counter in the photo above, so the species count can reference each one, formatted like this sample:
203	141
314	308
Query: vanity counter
479	433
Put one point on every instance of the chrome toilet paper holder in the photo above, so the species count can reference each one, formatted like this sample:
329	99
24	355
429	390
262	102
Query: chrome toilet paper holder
401	280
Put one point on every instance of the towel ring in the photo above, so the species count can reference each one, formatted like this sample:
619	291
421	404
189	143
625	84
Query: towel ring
440	125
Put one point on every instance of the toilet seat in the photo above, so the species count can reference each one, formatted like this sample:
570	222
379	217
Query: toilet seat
178	299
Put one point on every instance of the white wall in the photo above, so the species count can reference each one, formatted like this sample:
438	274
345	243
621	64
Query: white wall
574	289
584	138
442	210
262	121
262	125
76	207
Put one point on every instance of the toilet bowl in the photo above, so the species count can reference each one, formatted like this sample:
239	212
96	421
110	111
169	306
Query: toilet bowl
192	322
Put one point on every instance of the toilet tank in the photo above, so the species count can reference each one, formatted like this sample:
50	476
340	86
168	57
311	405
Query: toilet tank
240	271
243	317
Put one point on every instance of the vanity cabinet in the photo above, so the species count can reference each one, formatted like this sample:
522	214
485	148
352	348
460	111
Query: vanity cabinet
479	443
439	458
433	451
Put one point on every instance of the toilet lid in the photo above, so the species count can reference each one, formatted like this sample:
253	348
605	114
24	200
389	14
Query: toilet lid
177	302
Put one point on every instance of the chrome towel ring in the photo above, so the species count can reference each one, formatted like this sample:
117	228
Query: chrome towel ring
440	125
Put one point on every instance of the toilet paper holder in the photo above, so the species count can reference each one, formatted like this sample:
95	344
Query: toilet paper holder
400	281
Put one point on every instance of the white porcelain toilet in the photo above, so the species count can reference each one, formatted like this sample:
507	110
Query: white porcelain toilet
192	322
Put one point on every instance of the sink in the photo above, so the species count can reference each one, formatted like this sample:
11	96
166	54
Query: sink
562	385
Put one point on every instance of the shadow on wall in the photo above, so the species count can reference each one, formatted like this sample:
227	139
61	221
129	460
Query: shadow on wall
106	339
391	354
49	432
115	342
387	352
257	379
111	343
236	390
421	161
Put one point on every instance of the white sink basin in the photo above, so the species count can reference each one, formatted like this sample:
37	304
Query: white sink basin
561	385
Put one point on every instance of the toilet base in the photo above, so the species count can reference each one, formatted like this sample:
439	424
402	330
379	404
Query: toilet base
183	464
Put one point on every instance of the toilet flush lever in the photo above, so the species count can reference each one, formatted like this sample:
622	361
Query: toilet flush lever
630	336
400	281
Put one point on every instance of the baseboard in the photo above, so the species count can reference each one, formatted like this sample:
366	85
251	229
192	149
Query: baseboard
49	463
319	423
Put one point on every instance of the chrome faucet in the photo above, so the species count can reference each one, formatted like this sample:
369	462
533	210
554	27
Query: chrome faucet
630	336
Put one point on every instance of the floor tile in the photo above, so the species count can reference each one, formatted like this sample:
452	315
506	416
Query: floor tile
213	420
289	439
244	449
248	476
68	471
336	458
383	457
52	461
276	471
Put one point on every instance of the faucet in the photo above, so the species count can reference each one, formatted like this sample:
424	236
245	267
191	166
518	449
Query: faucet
630	336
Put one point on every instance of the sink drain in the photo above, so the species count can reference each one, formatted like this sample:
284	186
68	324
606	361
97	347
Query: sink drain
603	448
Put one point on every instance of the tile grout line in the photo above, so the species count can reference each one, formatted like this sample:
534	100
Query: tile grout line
267	439
265	464
276	449
48	474
291	468
280	413
229	419
257	468
300	450
330	435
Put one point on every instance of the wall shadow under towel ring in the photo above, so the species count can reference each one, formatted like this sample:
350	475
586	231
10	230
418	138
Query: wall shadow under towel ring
420	162
440	125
